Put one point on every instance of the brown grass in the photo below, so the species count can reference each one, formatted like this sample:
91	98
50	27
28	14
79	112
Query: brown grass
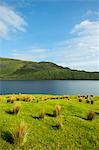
80	99
59	125
11	99
16	109
91	115
42	114
27	98
92	102
20	134
57	111
87	101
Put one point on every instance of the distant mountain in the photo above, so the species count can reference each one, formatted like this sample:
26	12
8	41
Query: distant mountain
12	69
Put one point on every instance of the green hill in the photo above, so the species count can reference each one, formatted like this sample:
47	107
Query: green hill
12	69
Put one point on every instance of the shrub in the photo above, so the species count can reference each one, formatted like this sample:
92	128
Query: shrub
90	115
57	110
20	134
16	109
42	114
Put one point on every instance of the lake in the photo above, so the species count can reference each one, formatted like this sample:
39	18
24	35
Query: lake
58	87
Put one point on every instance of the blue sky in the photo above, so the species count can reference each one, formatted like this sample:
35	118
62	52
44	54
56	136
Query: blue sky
65	32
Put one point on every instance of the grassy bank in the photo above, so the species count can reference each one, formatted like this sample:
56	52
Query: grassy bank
69	129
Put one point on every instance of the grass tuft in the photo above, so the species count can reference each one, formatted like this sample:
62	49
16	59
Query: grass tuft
90	115
59	125
11	99
16	109
80	100
57	111
21	133
87	101
92	102
42	114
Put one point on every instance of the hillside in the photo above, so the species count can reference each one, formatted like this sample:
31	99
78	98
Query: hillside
12	69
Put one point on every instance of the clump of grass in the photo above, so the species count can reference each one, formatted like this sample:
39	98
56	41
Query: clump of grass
87	101
57	111
11	99
21	133
42	114
92	102
18	97
90	115
16	109
80	99
0	98
59	125
27	98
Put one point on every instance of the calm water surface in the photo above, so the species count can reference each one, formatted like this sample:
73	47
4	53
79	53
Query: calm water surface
58	87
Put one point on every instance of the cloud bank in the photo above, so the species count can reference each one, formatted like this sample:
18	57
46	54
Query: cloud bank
10	21
80	52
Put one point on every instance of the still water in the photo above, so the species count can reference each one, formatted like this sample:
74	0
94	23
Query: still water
58	87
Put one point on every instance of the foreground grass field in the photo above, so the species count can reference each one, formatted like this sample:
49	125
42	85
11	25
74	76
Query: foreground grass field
75	131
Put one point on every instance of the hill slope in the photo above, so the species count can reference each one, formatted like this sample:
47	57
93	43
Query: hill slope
28	70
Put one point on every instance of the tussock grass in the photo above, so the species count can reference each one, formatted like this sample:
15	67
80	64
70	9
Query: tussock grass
70	130
16	108
59	125
42	114
27	98
87	101
11	99
21	133
80	99
91	115
92	101
0	98
57	111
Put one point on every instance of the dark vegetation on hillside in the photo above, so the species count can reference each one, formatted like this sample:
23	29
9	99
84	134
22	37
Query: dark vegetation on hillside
12	69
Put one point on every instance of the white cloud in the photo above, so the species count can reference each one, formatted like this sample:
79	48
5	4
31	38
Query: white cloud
81	51
86	27
3	30
10	21
91	13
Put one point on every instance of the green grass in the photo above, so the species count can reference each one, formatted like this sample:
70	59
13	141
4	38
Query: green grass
76	132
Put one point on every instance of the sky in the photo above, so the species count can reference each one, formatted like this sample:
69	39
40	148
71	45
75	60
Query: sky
65	32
